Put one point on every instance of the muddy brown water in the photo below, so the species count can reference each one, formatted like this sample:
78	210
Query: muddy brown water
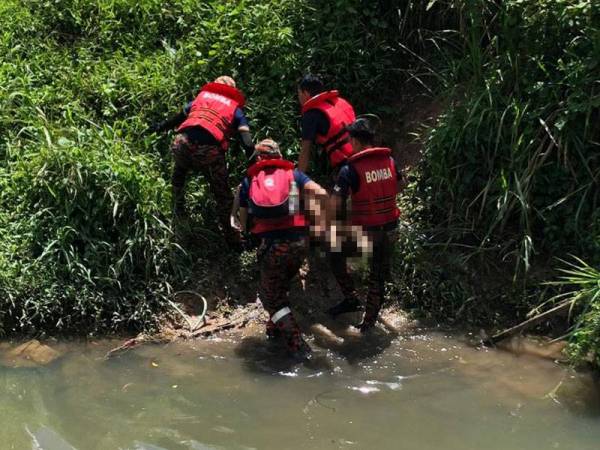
423	391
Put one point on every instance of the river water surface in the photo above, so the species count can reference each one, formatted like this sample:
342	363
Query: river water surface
424	391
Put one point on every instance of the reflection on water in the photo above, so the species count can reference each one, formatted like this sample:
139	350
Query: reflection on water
424	391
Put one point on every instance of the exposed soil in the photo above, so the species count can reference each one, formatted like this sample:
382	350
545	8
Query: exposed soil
406	130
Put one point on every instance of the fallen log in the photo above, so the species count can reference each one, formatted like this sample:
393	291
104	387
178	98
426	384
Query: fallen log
490	341
236	321
132	343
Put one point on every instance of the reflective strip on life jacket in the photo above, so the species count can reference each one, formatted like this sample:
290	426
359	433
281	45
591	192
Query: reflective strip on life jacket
214	110
340	114
374	203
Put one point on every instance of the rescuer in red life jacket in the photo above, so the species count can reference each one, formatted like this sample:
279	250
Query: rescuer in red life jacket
203	131
269	197
372	180
325	116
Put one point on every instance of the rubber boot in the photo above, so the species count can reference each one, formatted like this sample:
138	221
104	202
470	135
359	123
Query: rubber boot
272	331
286	329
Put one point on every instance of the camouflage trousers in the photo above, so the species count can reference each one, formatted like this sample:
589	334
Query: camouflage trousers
209	161
279	261
379	271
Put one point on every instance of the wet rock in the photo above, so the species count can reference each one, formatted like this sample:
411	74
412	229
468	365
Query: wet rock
519	345
47	439
30	354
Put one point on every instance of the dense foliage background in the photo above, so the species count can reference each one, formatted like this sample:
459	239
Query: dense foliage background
510	176
508	181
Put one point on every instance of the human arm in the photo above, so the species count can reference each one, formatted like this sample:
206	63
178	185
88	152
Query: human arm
172	122
314	123
347	181
244	220
241	123
304	157
242	200
315	203
246	141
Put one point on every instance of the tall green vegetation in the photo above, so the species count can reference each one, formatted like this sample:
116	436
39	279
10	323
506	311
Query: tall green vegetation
510	177
515	160
86	239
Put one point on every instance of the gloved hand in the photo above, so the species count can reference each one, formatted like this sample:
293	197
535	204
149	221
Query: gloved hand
154	128
170	123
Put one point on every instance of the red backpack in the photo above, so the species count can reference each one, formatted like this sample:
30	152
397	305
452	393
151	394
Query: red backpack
269	193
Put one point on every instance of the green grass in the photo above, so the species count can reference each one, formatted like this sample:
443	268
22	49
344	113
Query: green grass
510	177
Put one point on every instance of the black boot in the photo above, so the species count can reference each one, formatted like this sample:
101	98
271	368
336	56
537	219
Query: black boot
273	332
287	330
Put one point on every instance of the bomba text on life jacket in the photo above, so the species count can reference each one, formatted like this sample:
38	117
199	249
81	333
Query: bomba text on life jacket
378	175
217	97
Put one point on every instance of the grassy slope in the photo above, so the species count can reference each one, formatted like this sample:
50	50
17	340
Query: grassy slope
87	242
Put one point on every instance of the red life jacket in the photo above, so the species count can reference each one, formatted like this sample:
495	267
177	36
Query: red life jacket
214	109
375	201
281	172
336	143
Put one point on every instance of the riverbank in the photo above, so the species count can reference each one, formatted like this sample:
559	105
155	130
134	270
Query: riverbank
192	323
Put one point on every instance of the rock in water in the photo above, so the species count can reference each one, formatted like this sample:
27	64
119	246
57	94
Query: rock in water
144	446
520	345
325	336
30	354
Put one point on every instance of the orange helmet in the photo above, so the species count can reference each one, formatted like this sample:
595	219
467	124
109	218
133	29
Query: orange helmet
224	79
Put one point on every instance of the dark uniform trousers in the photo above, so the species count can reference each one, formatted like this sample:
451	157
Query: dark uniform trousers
209	161
279	261
379	270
